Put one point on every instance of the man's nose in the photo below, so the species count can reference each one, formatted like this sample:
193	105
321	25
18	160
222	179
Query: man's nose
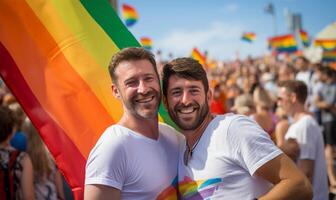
142	88
185	98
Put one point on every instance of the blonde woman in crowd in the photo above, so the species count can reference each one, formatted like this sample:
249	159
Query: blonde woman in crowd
47	179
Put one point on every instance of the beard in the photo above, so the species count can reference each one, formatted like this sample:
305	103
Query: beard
190	123
144	110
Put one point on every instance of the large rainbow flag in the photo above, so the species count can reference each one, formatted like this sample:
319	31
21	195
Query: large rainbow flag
283	43
54	57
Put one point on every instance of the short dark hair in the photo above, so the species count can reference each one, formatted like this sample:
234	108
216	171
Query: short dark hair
187	68
130	54
328	71
7	123
297	87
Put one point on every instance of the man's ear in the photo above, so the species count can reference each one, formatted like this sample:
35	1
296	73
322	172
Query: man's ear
293	97
115	91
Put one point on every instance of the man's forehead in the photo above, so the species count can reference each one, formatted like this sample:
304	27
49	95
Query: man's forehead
176	81
139	66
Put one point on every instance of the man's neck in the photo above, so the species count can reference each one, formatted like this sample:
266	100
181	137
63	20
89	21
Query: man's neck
193	136
299	112
146	127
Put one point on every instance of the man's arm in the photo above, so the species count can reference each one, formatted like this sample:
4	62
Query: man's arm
101	192
307	167
289	182
291	148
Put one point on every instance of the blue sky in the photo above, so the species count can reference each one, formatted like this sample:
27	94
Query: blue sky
216	25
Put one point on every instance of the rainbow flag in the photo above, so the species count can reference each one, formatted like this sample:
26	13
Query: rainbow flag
326	44
249	37
196	54
54	57
283	43
129	14
329	56
146	42
304	38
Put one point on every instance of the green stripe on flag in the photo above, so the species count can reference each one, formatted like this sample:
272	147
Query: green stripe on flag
103	13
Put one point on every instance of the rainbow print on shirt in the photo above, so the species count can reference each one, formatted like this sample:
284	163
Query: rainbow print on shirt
169	193
193	190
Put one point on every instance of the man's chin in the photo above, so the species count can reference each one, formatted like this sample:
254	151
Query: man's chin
186	126
148	114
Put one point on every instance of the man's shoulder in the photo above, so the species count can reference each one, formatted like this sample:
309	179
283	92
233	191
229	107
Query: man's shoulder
114	134
168	131
230	119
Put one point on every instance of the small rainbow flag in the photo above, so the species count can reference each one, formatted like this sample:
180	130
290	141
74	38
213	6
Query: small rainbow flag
146	42
249	37
196	54
304	38
283	43
326	44
329	56
129	14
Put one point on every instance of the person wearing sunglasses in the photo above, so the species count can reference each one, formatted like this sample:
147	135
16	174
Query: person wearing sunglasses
225	156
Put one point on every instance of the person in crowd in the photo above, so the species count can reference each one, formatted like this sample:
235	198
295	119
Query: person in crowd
23	170
217	102
264	114
19	140
326	102
48	183
306	131
225	156
137	157
244	105
281	126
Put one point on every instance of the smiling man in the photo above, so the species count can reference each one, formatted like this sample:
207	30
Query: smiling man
137	157
225	156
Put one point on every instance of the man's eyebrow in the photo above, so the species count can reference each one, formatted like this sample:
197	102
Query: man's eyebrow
133	77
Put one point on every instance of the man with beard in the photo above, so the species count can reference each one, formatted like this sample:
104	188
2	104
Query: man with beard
225	156
137	157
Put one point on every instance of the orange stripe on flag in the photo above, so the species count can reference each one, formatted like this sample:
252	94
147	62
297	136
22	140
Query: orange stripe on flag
48	74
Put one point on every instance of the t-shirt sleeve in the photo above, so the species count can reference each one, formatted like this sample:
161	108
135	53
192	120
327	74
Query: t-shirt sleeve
305	137
106	164
251	146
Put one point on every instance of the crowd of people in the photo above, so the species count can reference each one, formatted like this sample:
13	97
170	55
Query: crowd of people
34	172
251	129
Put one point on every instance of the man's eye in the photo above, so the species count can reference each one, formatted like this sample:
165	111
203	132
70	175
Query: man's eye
149	79
131	83
194	91
176	93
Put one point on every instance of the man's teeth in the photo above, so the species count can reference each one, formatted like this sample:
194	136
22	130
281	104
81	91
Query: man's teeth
187	110
145	100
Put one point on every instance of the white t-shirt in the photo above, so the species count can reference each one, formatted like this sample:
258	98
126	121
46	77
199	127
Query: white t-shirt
308	134
142	168
225	159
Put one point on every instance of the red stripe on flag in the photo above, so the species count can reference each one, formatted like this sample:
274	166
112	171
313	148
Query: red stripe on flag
52	134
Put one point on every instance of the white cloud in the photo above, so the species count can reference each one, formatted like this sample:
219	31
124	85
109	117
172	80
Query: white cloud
220	39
